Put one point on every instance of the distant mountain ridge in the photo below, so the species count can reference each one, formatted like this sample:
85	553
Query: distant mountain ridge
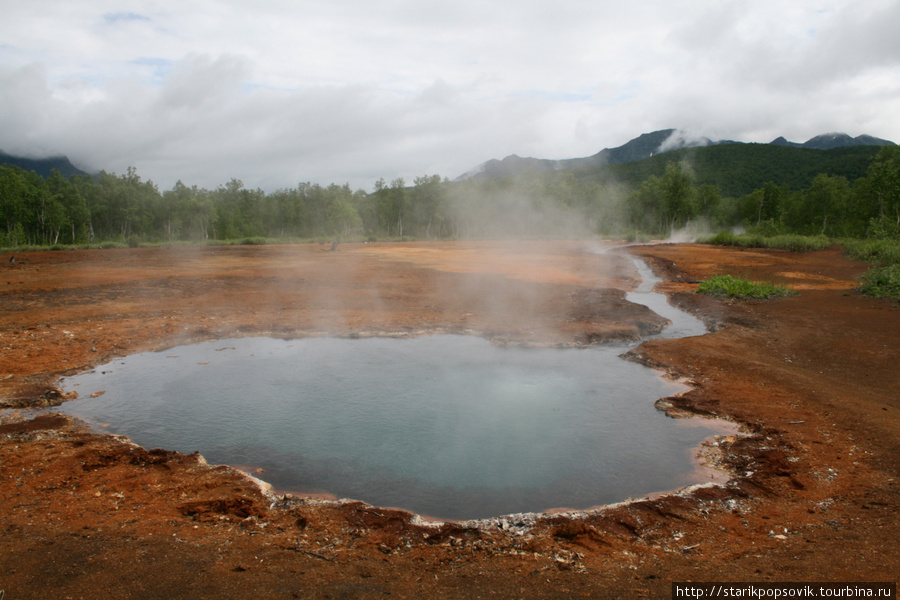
647	145
42	166
642	147
827	141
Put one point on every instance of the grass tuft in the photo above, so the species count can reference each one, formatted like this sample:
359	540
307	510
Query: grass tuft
726	286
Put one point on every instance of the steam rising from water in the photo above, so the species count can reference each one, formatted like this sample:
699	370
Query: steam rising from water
448	426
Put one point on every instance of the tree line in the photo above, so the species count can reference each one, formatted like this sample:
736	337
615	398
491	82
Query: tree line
79	210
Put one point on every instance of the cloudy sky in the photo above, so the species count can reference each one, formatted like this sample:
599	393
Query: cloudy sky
276	92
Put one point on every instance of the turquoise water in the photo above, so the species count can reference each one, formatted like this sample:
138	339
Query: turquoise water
447	426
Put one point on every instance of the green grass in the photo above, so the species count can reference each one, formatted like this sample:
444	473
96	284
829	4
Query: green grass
726	238
62	247
883	252
798	243
726	286
794	243
882	281
133	243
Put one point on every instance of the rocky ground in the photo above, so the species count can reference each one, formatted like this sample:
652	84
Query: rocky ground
812	491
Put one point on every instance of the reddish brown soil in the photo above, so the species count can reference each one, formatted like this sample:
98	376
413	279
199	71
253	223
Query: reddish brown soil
813	496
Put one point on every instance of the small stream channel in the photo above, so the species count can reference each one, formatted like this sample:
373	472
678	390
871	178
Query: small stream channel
447	426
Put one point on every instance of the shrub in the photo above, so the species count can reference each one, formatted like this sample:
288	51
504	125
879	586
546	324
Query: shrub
723	238
252	241
798	243
884	252
882	282
883	227
768	228
726	286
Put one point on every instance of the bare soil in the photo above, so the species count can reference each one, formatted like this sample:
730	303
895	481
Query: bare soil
812	491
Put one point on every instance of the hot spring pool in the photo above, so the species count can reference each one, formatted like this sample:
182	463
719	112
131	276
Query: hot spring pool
446	426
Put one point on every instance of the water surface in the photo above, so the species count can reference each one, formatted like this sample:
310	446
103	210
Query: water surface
448	426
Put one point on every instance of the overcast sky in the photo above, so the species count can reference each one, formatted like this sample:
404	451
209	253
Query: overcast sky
347	91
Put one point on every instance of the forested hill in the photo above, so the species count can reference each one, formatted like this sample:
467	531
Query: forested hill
641	147
651	146
828	141
738	169
42	166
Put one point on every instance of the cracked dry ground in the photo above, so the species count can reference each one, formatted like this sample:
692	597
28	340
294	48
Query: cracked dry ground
813	494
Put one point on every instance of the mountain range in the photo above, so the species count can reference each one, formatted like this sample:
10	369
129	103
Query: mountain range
647	145
827	141
644	146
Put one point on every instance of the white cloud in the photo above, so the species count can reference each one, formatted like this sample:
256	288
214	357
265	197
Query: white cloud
350	91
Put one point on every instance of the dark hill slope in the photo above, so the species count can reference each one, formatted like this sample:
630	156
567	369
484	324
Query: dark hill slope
649	146
827	141
639	148
738	169
42	166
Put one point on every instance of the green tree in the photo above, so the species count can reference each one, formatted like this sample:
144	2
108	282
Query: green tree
822	206
13	210
884	174
392	204
203	214
663	204
175	209
709	203
67	208
426	200
289	211
679	198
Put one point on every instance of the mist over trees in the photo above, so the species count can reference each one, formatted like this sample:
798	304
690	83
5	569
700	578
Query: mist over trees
670	195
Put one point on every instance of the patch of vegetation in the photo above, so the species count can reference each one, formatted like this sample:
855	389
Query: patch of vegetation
633	236
246	241
726	286
883	252
798	243
792	242
252	241
726	238
882	282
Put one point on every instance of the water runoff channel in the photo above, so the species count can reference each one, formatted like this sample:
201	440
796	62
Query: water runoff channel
448	426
